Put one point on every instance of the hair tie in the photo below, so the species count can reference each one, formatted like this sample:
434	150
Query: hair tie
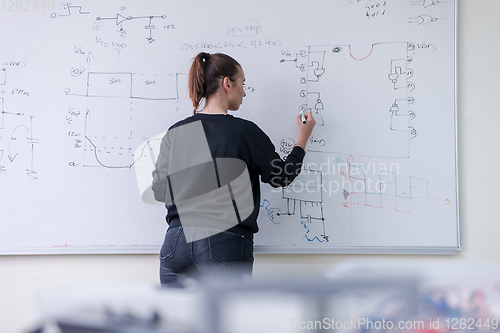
205	56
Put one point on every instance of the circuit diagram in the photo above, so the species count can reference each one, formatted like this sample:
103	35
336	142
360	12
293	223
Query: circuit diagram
120	19
304	198
328	71
428	16
383	117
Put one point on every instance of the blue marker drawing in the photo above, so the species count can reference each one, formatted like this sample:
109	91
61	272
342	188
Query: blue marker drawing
346	194
315	237
273	213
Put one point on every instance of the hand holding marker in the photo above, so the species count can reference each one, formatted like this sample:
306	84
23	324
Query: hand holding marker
306	123
302	117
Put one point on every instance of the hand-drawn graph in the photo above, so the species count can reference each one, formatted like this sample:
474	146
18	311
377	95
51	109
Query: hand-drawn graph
385	192
135	86
116	119
69	9
348	189
329	71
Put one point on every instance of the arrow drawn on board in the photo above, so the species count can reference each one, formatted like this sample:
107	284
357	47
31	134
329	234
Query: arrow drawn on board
14	138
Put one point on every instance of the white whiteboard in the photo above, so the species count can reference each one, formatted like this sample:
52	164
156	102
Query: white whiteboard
88	87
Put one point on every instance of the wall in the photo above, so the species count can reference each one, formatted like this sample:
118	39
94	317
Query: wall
22	276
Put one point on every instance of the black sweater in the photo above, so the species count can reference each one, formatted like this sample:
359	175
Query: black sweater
228	137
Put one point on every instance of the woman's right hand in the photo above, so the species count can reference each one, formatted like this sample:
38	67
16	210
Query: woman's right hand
306	129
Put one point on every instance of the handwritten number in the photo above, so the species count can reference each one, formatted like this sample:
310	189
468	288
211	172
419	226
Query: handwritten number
98	25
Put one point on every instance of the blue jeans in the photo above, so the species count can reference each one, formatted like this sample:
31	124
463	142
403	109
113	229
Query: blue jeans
223	255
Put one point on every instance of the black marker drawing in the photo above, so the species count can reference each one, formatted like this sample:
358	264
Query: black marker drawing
401	116
305	198
423	19
110	130
69	9
426	3
3	76
2	112
32	141
15	137
398	73
244	28
17	126
120	19
330	71
132	85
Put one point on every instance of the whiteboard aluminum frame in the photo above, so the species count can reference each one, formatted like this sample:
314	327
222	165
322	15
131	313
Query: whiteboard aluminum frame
356	250
258	249
264	249
459	244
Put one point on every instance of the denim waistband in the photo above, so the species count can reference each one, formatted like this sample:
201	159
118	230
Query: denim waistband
239	229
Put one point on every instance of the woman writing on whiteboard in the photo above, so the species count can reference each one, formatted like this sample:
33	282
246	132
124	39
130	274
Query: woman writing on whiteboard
207	173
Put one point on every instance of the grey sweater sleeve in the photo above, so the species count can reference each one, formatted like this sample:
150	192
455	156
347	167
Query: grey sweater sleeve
160	186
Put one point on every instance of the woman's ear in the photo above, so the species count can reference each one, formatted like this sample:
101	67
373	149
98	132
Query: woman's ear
226	83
